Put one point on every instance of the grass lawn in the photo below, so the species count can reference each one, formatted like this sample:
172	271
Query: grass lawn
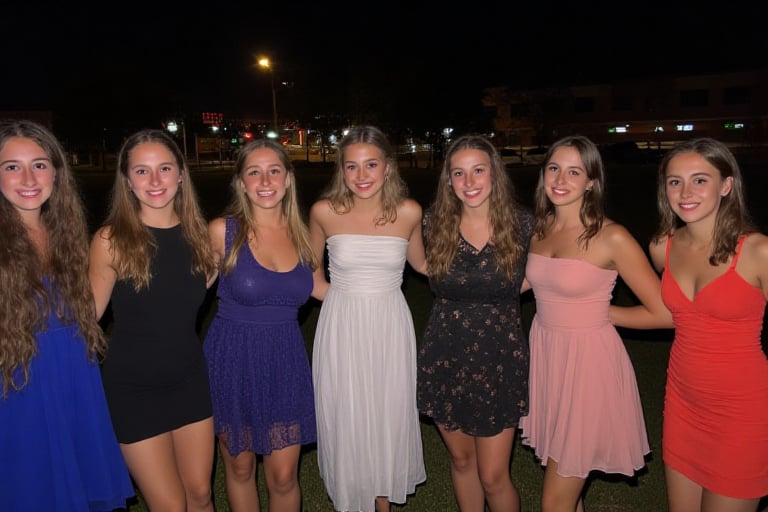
631	201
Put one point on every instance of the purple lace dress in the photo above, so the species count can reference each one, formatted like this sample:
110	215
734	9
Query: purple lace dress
261	383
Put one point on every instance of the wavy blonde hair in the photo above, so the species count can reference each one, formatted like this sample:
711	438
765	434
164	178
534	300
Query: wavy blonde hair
394	191
25	301
132	244
240	207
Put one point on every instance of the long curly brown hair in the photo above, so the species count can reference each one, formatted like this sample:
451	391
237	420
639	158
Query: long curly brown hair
131	241
442	233
240	207
25	300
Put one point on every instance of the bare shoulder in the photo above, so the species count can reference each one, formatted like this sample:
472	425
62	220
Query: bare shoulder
615	233
321	208
756	248
101	238
217	226
411	209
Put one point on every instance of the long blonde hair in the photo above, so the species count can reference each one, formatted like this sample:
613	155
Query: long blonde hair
393	192
131	242
240	207
25	301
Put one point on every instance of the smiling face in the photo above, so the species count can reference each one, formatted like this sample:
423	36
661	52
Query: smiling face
694	187
264	178
365	169
565	177
153	175
26	175
470	172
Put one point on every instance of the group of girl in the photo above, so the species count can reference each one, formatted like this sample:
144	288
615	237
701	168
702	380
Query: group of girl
162	397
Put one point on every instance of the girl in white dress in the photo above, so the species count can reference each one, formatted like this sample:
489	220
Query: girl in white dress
364	354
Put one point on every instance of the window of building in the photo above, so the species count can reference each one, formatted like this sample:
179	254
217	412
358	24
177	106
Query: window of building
694	98
737	95
584	104
621	103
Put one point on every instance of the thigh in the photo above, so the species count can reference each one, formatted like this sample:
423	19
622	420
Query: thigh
193	445
152	464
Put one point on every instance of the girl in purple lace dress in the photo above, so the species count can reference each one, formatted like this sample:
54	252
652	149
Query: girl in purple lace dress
260	378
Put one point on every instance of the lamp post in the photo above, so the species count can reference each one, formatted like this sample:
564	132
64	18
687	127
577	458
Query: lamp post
266	63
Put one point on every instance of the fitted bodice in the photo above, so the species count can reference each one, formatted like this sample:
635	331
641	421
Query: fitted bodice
364	264
570	293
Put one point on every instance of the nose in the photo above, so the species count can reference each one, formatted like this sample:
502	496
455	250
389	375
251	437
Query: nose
154	178
264	178
686	190
28	177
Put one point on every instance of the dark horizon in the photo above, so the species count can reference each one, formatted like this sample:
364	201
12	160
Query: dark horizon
418	66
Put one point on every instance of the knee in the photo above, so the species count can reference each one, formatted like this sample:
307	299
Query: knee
463	461
494	481
283	481
241	469
199	495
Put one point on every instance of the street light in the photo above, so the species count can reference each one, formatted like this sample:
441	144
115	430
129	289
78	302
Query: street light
266	63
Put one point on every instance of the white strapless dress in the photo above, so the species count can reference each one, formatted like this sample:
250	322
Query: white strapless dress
364	375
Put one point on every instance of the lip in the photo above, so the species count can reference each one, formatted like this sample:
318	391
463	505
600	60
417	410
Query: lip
265	193
30	194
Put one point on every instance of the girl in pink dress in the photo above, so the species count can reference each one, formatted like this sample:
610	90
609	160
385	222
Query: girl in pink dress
585	412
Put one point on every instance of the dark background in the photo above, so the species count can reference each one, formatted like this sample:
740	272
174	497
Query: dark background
420	64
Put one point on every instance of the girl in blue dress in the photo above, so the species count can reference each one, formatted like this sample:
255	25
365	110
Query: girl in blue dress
57	445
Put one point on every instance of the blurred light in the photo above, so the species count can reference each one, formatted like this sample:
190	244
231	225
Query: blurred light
247	135
658	129
685	127
272	134
172	126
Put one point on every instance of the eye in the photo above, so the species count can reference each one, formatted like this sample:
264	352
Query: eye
350	168
700	181
275	171
673	182
373	165
141	170
40	166
457	174
479	170
12	167
166	168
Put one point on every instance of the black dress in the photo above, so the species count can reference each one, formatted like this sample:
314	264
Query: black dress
155	376
473	359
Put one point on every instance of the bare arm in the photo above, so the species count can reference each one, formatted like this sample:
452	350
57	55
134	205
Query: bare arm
416	255
317	237
100	270
636	271
216	232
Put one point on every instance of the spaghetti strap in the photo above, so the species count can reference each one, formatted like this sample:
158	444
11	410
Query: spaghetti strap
739	244
666	255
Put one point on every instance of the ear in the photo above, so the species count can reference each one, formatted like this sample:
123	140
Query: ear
590	184
727	186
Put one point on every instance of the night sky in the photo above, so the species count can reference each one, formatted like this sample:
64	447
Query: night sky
131	64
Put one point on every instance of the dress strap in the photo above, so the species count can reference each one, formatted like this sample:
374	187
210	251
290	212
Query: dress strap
739	244
666	255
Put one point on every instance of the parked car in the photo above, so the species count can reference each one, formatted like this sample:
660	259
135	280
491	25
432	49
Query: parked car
535	156
511	157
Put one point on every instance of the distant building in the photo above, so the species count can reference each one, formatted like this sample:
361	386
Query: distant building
654	113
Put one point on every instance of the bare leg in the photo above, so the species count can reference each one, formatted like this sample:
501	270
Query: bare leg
240	475
382	504
281	471
464	473
194	446
560	494
153	466
683	494
493	458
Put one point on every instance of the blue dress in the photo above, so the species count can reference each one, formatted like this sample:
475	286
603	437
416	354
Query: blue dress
261	383
58	451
